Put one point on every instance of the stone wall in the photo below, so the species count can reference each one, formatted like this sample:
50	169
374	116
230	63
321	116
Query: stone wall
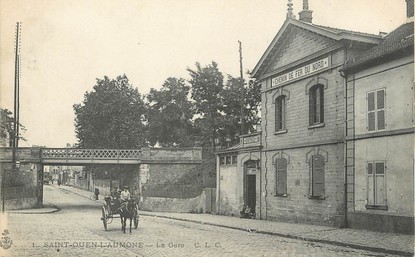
297	205
155	177
160	204
23	186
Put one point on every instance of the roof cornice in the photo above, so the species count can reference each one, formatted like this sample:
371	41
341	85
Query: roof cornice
326	32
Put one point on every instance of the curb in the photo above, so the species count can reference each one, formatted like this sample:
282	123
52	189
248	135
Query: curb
87	197
303	238
53	207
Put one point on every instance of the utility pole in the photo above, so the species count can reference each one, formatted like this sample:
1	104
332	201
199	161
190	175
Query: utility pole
16	106
16	95
242	89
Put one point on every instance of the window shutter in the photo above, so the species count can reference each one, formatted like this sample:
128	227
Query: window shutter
282	116
311	107
281	171
371	115
381	119
317	105
277	114
321	104
380	190
370	192
371	101
318	176
380	97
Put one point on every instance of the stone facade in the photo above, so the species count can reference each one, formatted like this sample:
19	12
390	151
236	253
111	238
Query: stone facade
299	170
232	182
303	57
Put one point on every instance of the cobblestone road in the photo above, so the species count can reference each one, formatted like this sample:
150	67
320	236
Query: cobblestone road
76	230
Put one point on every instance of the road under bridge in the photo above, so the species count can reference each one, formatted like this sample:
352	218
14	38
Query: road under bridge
25	172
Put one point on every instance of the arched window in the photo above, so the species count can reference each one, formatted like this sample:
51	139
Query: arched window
280	113
316	104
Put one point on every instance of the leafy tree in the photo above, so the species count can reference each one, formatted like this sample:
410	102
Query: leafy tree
6	128
111	116
233	97
170	113
207	86
252	102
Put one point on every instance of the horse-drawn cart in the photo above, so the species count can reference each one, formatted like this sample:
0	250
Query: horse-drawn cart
111	209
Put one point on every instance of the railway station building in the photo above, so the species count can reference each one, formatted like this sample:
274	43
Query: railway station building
300	167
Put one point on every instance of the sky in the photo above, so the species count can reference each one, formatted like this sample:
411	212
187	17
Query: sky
67	44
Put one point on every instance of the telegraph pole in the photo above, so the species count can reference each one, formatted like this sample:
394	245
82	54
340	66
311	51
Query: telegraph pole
16	107
242	89
16	95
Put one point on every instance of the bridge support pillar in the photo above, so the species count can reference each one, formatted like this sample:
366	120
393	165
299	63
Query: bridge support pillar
39	194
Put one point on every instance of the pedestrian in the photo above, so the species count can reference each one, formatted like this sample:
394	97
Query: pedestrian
96	192
59	182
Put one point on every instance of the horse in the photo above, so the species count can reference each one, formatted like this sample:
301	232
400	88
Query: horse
127	211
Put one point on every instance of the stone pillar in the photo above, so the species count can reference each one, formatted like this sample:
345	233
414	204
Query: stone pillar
39	170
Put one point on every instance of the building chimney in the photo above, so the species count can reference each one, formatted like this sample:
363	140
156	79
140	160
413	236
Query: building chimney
290	13
409	8
306	15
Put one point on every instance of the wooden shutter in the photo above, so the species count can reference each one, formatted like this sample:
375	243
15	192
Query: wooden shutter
311	106
282	116
371	112
281	172
317	102
370	184
321	110
380	190
318	176
380	106
279	113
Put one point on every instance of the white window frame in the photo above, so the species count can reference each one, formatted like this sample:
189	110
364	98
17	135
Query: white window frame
373	178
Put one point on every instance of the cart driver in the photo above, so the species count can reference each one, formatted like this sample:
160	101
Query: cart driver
124	197
125	194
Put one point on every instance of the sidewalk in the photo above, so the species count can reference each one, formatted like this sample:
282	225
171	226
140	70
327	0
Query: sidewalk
359	239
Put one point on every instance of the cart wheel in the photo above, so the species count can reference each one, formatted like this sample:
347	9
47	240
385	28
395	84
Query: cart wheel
136	217
104	217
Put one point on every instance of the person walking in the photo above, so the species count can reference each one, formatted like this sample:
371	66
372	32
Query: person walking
96	193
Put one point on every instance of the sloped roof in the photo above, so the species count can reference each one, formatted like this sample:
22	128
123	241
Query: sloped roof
400	39
233	148
350	32
333	33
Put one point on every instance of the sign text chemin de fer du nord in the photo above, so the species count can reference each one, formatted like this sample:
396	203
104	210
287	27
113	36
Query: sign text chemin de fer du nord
300	72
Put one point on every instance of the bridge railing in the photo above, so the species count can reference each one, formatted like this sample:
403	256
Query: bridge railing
99	154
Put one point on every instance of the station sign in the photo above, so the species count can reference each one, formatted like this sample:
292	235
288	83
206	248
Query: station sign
251	140
301	72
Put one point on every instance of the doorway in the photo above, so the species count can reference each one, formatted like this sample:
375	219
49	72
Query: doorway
251	191
251	170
